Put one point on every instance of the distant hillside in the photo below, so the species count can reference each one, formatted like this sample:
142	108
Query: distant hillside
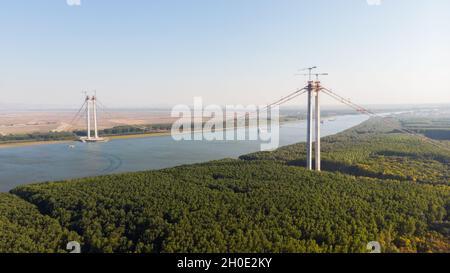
378	185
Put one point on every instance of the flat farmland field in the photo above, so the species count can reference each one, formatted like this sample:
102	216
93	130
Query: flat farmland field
23	122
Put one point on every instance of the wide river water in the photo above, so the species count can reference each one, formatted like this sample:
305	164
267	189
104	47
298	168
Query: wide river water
53	162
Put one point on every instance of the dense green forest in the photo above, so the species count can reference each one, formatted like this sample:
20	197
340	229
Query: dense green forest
24	229
435	128
378	185
374	149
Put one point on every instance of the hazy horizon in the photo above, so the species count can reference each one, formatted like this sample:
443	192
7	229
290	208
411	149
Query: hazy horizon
168	108
140	54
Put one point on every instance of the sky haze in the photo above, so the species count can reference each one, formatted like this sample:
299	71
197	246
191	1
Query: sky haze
164	52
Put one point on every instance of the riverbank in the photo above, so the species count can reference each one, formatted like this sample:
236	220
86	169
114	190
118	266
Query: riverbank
130	136
35	143
32	143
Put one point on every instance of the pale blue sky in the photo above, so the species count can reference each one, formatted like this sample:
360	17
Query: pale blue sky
164	52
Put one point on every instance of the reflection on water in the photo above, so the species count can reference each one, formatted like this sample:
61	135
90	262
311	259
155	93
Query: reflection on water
53	162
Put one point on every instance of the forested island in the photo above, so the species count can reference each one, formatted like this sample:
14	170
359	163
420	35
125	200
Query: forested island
378	184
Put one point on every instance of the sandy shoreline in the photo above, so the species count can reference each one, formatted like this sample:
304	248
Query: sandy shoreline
34	143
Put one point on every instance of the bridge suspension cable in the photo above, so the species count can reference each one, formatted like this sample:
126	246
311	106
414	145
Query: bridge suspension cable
77	116
363	110
279	102
104	109
287	98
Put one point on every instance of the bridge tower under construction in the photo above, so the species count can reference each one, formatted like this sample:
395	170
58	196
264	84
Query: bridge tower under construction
91	105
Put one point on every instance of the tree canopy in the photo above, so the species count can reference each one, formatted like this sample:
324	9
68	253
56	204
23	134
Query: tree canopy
378	185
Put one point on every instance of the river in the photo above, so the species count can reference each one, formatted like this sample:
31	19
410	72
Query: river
54	162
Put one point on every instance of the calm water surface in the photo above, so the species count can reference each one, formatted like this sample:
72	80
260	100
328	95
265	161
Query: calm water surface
52	162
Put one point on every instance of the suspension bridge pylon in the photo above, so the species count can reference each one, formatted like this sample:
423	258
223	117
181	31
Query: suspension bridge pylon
317	147
91	104
313	89
309	129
